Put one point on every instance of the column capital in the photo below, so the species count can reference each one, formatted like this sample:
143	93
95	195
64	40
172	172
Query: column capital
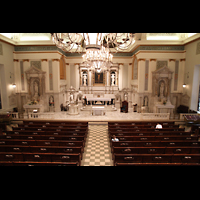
152	59
44	60
172	60
25	60
76	63
55	59
15	60
183	59
121	63
141	59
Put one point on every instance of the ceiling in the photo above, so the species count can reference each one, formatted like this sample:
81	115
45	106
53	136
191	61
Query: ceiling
140	39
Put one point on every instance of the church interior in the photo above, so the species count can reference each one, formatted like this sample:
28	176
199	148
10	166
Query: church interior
65	96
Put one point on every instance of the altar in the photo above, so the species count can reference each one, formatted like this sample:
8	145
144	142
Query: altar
98	110
168	108
98	99
30	108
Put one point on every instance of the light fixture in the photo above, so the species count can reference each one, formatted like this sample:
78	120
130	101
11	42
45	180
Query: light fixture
77	42
184	85
14	85
97	57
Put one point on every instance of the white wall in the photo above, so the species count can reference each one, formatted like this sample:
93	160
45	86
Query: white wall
192	68
7	66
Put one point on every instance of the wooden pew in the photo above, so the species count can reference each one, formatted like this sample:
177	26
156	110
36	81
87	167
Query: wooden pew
40	157
154	133
33	163
156	138
41	142
48	122
177	143
41	149
157	158
156	150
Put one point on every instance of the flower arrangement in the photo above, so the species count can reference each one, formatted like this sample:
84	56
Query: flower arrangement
33	102
51	103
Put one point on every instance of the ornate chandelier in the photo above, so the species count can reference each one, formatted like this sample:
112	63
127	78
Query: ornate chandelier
77	42
96	45
97	57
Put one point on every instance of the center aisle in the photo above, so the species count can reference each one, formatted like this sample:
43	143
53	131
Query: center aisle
97	150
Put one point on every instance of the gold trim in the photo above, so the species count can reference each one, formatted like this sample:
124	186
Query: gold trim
44	60
141	59
152	59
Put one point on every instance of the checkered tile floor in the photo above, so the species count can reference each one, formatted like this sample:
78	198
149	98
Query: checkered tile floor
97	150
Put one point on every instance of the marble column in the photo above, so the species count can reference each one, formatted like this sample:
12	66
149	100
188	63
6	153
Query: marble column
116	77
120	75
26	64
181	76
45	67
17	76
141	75
56	82
171	66
152	67
76	65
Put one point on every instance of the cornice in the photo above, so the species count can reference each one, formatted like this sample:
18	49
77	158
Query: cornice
142	48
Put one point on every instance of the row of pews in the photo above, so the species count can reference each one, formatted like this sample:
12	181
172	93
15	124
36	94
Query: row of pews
43	143
141	144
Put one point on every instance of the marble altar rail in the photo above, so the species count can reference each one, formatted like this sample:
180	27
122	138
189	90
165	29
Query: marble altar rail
155	115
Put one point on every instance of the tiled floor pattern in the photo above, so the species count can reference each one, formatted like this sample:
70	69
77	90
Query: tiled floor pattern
97	150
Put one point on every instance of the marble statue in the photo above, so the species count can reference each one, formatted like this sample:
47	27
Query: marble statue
162	88
84	80
112	79
36	90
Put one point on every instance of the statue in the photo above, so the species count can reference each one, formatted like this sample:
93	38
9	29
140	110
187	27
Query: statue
84	80
112	79
162	88
71	98
36	90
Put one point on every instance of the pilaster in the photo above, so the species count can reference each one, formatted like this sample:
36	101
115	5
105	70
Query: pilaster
152	67
141	75
120	75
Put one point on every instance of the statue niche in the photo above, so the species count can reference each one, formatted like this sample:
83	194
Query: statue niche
36	83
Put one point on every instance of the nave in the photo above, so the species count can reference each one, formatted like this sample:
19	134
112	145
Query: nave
76	143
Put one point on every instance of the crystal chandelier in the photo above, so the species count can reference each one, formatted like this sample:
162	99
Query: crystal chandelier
77	42
97	57
96	45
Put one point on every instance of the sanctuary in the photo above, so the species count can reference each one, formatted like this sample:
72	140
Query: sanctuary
149	76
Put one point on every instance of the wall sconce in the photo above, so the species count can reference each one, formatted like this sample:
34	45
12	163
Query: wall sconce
14	85
187	76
